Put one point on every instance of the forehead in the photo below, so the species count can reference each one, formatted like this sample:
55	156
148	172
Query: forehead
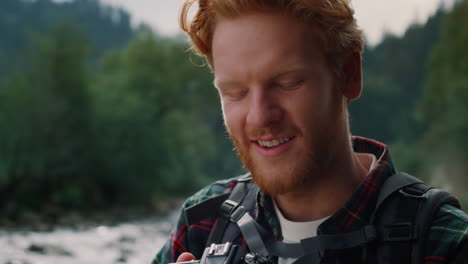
262	42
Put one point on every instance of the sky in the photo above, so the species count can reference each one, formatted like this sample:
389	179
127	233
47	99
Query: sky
375	17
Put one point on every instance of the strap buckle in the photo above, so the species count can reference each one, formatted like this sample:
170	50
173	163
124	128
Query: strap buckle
227	208
369	233
412	192
219	249
232	210
400	232
238	213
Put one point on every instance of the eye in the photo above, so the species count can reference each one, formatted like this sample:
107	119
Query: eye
233	94
289	84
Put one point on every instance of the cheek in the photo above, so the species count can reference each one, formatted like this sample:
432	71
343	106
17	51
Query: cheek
305	107
310	111
317	101
232	116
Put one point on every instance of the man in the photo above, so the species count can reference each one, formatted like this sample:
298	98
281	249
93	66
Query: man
286	71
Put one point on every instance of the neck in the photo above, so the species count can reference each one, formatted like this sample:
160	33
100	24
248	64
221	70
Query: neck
328	192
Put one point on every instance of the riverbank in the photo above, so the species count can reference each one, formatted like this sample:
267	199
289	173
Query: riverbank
131	242
51	218
112	236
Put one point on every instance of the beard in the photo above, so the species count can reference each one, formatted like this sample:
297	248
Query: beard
294	171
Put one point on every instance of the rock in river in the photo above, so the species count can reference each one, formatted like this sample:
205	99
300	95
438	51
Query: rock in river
47	249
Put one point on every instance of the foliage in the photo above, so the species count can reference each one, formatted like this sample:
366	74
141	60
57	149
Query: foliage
415	94
444	103
150	138
130	134
23	22
45	113
394	72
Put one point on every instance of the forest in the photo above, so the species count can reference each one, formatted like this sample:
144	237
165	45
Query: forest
96	114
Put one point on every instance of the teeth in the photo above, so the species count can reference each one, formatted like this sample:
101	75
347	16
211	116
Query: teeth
273	143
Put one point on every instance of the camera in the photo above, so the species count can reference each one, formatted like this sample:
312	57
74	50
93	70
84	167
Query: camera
228	253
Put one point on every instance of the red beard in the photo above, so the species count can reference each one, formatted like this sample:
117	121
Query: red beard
290	172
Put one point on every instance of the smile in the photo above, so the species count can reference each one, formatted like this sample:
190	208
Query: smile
274	142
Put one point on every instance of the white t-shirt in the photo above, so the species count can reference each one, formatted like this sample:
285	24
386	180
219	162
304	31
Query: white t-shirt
294	232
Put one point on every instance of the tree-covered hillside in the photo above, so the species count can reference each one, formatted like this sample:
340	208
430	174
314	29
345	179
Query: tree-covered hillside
24	22
394	73
99	115
444	104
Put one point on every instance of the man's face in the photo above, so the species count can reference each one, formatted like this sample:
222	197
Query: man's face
282	105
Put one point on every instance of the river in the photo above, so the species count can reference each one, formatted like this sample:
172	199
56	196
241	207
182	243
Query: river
131	242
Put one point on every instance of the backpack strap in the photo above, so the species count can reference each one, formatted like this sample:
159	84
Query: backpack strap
311	250
393	184
236	198
434	199
397	204
403	215
218	206
400	223
196	213
236	216
233	216
250	230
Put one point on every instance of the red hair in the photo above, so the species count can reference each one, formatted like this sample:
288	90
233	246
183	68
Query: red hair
334	20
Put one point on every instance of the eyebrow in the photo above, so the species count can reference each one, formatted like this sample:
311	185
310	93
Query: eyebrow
220	82
278	72
287	69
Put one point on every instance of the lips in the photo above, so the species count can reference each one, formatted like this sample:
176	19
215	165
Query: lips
274	142
273	147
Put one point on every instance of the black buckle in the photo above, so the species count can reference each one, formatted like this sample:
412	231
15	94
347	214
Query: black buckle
237	214
410	192
232	210
400	232
370	233
227	208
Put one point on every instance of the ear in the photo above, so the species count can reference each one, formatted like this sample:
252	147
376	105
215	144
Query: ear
352	76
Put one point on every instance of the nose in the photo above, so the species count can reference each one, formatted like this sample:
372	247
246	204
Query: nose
264	109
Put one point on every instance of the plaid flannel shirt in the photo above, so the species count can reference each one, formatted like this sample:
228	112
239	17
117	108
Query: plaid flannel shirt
448	236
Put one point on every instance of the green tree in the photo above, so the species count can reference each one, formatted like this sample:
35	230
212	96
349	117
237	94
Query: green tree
45	122
444	104
394	71
149	122
23	22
